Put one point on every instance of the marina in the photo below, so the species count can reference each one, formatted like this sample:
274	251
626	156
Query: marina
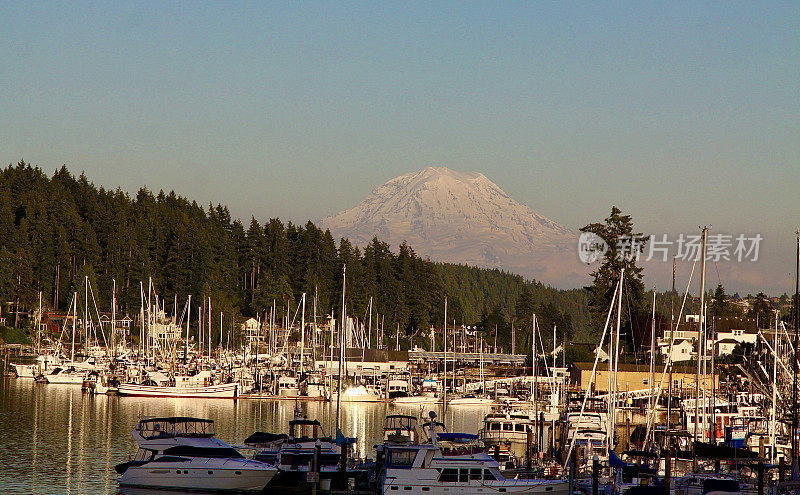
400	248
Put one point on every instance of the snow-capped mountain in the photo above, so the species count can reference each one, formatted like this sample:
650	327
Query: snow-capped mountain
463	217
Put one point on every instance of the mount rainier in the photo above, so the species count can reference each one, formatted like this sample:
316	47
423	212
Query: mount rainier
463	217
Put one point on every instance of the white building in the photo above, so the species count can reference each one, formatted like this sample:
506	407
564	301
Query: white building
682	350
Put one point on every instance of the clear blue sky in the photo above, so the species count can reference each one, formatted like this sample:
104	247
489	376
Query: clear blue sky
681	113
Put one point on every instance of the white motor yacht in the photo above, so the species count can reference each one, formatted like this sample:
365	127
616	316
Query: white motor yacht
69	376
182	453
453	463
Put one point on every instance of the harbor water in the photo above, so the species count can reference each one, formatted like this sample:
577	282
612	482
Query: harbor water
58	439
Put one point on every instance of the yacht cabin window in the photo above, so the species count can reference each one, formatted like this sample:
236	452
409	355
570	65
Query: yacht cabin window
449	476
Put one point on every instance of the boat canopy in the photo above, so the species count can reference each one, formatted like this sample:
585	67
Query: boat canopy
177	426
261	437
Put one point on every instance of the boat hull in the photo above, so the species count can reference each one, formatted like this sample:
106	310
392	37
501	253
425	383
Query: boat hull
65	379
25	370
200	474
223	391
471	402
533	487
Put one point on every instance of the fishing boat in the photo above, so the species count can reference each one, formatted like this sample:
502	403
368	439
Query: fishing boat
182	453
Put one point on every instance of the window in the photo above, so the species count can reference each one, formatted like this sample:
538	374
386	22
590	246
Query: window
519	428
475	474
463	475
449	475
398	458
488	476
507	426
494	426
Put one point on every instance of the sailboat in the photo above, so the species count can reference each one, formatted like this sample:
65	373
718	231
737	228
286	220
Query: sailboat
471	399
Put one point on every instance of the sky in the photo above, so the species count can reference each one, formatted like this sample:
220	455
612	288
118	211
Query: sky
680	113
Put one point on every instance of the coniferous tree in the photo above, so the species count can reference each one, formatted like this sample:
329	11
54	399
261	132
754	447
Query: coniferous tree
624	248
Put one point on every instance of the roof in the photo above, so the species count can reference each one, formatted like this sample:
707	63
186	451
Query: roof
637	368
728	341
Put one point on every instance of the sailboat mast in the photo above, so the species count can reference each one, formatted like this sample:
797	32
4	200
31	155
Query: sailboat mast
535	372
651	406
74	324
444	383
188	320
774	389
302	332
533	357
796	346
341	347
86	342
616	351
700	335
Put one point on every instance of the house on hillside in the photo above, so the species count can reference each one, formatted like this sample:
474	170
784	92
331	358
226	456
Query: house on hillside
682	350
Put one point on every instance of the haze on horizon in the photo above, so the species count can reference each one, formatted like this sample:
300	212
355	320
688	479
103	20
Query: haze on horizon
680	114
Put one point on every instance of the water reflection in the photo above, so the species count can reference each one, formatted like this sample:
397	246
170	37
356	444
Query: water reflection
59	440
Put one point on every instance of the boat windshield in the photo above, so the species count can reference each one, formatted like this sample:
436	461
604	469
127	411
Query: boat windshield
305	428
152	428
204	452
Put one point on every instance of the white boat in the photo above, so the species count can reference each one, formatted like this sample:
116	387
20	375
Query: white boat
359	394
294	455
453	463
44	364
222	391
25	370
288	386
182	453
507	427
66	376
472	401
414	400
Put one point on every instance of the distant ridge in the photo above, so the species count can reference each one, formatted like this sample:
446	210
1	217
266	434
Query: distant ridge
463	217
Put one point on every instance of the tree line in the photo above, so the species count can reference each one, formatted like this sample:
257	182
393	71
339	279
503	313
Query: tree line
56	230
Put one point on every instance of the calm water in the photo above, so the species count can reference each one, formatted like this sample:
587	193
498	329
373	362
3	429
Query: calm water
57	439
